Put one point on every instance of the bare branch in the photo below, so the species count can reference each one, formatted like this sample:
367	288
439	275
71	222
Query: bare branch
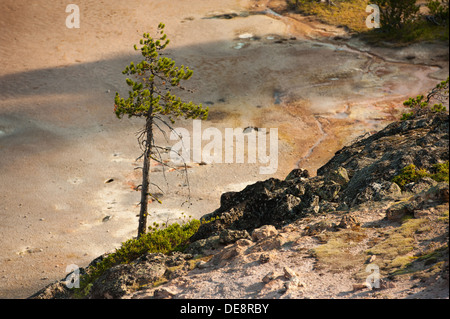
162	131
157	187
162	162
140	156
165	123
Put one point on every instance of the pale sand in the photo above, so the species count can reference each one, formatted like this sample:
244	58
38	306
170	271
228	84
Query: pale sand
60	141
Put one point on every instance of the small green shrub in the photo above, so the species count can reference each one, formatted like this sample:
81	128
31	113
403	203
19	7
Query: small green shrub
406	116
160	239
420	104
409	174
438	108
417	102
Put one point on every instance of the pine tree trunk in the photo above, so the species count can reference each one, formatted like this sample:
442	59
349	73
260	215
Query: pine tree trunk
142	228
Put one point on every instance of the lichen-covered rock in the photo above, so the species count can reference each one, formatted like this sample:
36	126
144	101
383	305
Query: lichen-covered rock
339	176
400	210
329	191
421	185
119	280
422	141
378	191
203	246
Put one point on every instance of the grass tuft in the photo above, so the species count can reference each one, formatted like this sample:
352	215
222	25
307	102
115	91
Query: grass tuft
160	239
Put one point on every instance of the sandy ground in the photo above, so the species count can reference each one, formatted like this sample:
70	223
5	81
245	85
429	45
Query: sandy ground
60	141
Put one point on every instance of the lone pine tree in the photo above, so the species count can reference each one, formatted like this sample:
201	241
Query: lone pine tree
150	97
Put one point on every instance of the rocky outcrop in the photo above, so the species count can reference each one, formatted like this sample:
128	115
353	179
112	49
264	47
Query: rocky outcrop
271	202
372	162
118	280
358	173
255	223
121	279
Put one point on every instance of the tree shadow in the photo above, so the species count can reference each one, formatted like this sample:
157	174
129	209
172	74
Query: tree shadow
256	67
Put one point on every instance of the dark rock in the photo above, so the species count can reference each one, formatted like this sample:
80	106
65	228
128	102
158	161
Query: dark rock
145	270
329	191
384	284
175	273
176	259
203	246
268	202
398	211
297	173
443	193
229	236
164	293
339	176
383	190
250	129
264	258
121	279
223	16
115	282
327	207
438	192
421	185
